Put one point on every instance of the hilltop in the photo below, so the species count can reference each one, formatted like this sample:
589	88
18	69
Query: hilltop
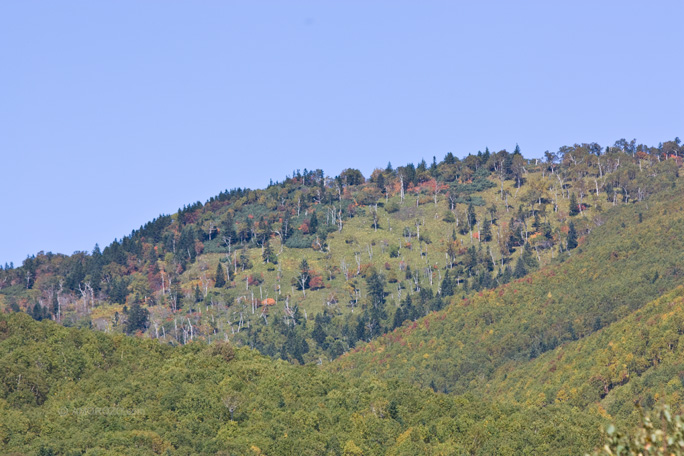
305	269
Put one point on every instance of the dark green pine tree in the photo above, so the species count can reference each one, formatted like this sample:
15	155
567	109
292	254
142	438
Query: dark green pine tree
137	318
398	318
574	207
486	234
269	256
220	277
361	329
447	285
38	312
517	150
380	182
376	298
520	269
572	237
376	289
198	294
54	307
488	261
313	223
506	275
318	334
472	218
409	312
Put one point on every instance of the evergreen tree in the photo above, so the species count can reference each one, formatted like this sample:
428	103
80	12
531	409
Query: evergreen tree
447	285
472	218
376	298
520	269
361	329
572	237
574	207
398	318
380	183
409	312
487	260
269	256
198	294
313	223
38	312
55	304
318	334
137	318
486	234
220	277
506	275
376	291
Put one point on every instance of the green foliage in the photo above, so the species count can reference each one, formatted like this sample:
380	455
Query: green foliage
220	275
119	395
471	315
486	337
299	241
660	435
137	318
572	237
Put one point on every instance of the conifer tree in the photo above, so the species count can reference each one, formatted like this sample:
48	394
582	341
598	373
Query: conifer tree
572	237
268	256
520	269
313	223
472	218
55	304
137	318
220	277
507	273
318	334
447	285
486	234
398	318
574	207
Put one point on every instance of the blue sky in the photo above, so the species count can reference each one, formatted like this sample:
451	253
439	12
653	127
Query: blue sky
114	112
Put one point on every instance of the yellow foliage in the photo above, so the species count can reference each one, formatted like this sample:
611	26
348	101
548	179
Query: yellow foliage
351	449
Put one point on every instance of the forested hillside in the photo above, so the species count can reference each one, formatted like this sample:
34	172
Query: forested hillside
307	268
485	305
631	259
70	392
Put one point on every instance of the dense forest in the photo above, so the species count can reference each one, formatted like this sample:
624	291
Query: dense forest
466	306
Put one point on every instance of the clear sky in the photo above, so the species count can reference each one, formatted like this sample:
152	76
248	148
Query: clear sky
112	112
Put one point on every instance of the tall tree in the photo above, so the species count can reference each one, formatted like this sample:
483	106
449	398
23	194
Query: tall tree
313	223
220	277
447	285
572	237
574	207
137	318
